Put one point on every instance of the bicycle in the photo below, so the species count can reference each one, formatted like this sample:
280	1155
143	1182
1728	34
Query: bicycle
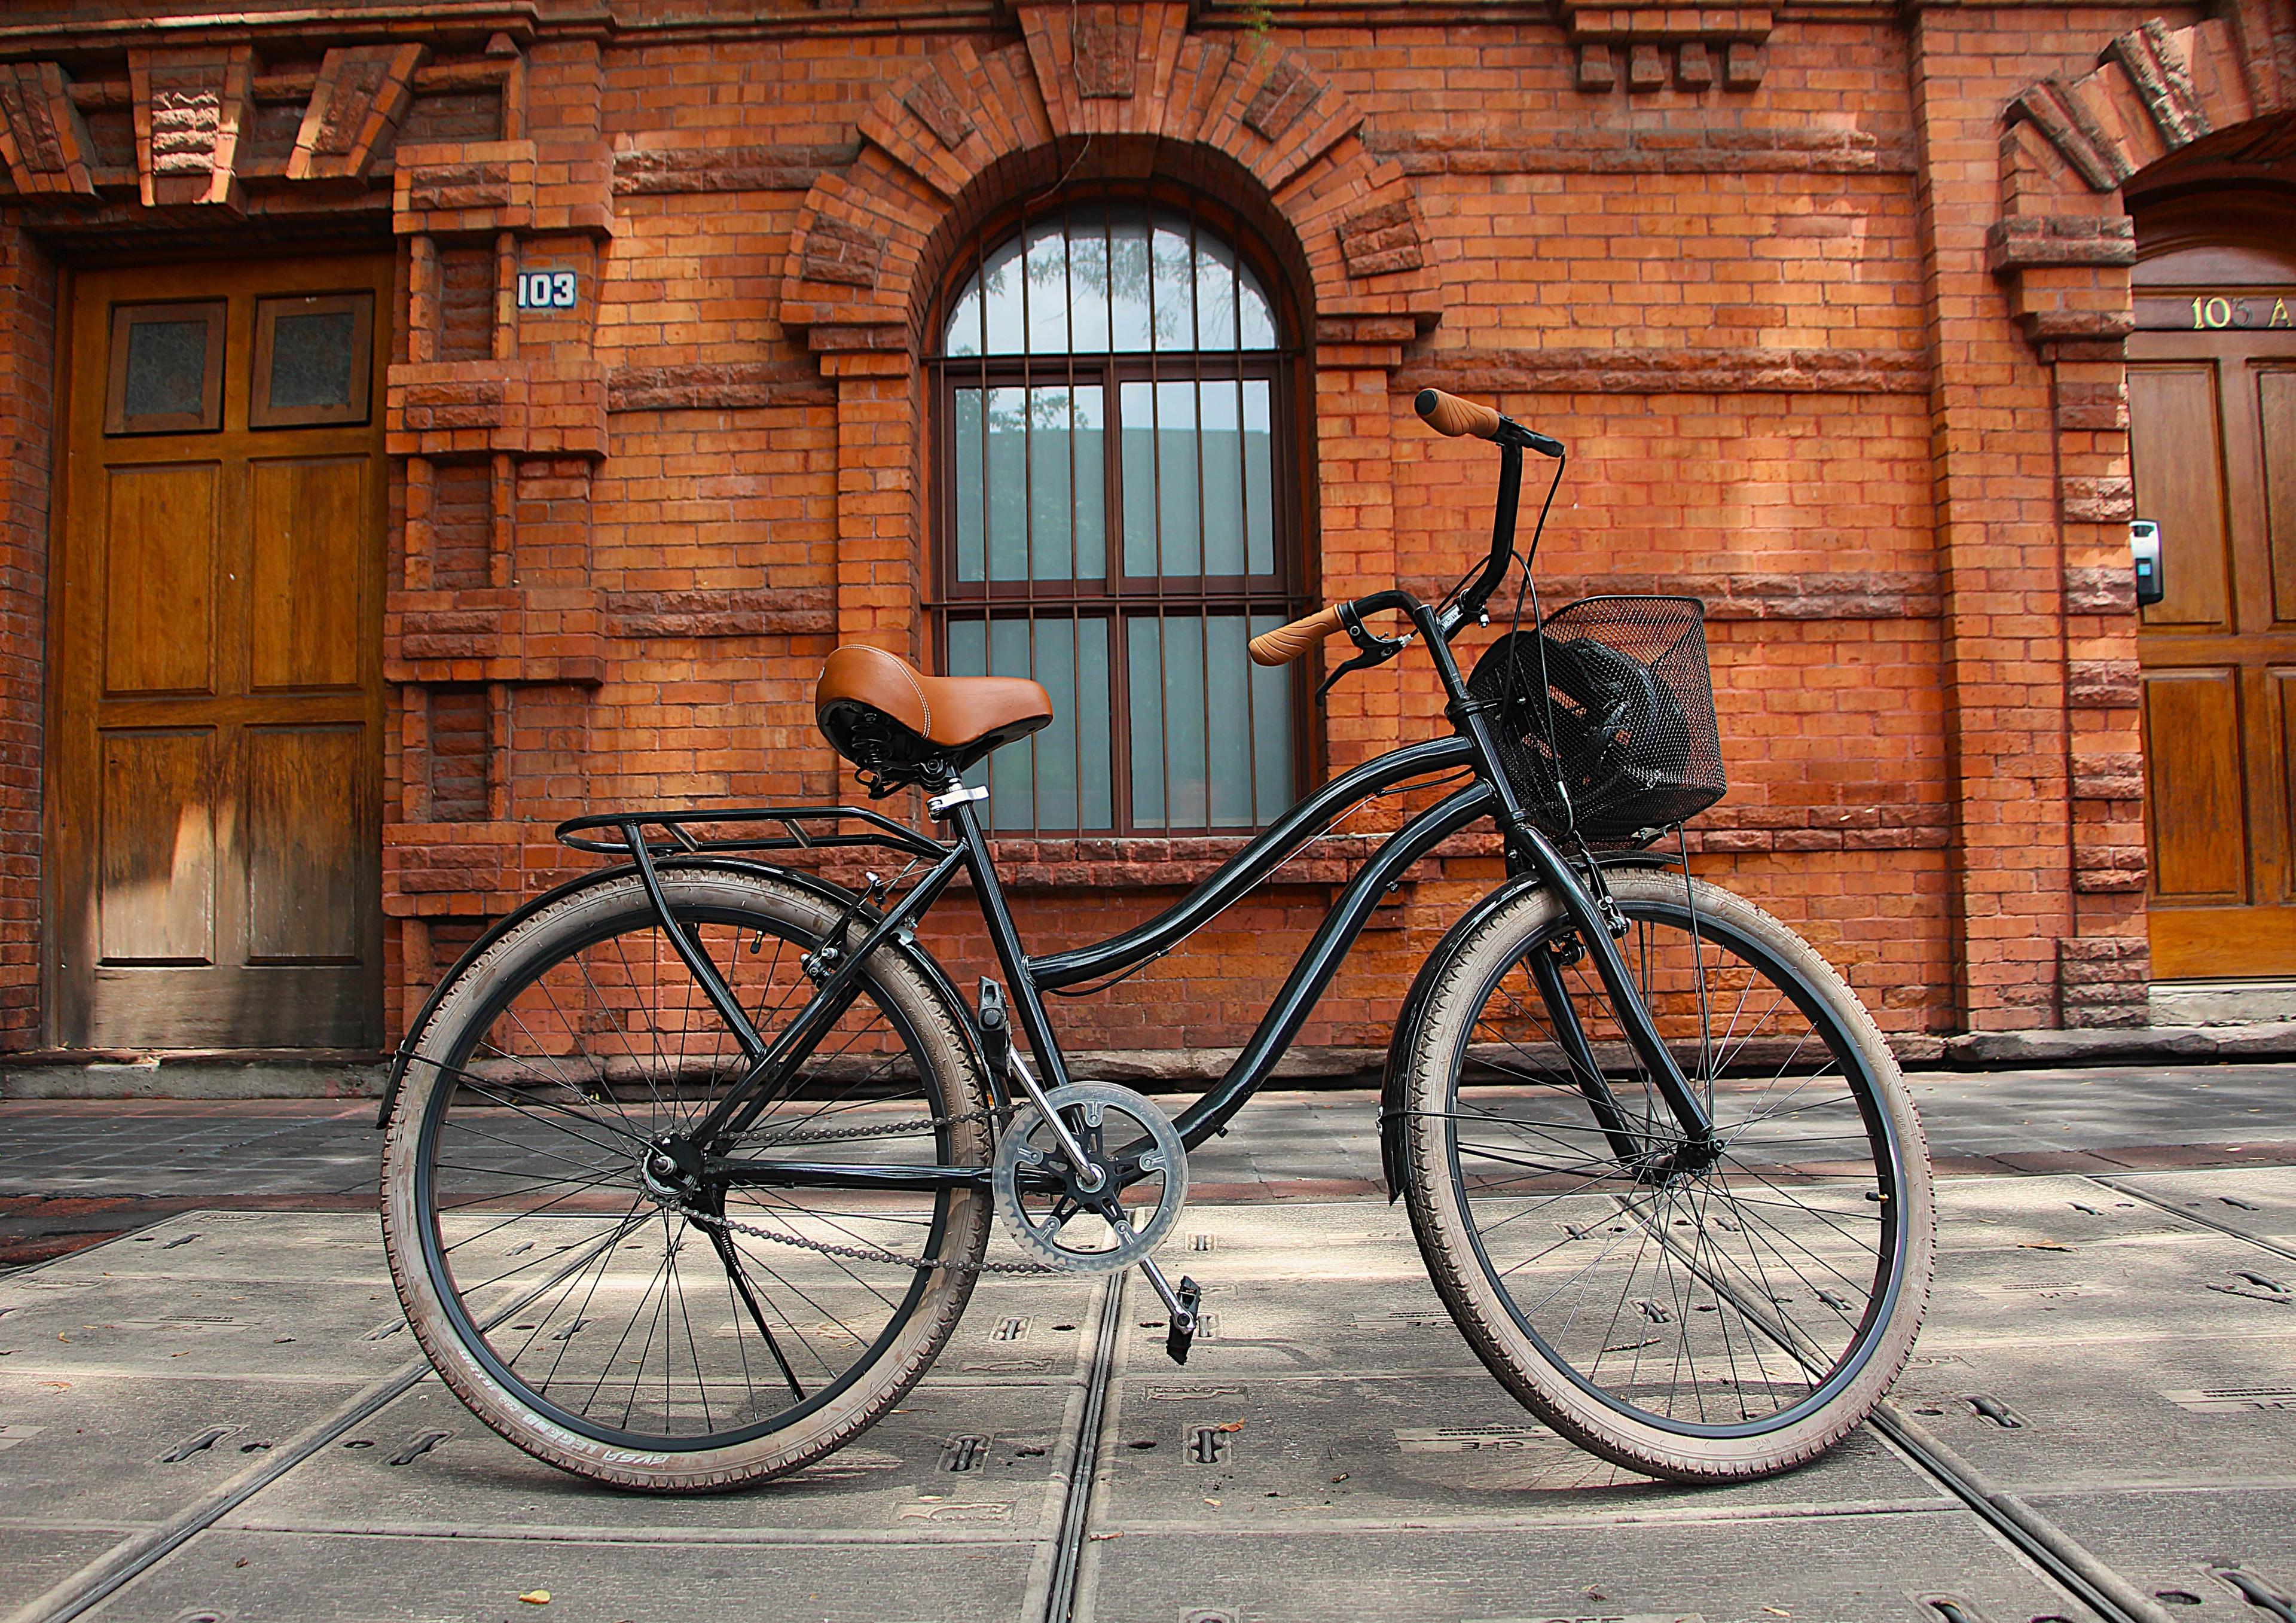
676	1213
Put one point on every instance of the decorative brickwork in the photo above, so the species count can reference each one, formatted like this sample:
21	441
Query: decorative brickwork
1828	305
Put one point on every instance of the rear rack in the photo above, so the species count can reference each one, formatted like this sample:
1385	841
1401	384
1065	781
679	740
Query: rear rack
795	821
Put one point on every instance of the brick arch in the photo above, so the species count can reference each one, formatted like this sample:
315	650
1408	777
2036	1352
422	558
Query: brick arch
971	128
991	210
2072	150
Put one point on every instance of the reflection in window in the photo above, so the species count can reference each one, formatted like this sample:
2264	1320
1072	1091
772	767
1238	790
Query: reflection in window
1112	394
1111	280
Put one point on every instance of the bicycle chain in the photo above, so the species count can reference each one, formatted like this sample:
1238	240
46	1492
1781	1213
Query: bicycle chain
863	1253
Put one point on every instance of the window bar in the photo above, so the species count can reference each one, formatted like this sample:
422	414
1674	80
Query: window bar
1243	516
1075	621
1112	552
1156	468
1027	499
1203	516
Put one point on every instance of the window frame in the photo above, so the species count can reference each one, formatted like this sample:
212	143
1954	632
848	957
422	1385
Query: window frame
1115	597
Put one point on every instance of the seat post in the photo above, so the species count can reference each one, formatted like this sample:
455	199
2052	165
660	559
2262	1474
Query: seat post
955	804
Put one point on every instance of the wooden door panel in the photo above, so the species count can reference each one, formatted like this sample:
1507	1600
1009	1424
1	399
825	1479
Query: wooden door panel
159	579
2193	770
2179	472
308	526
306	869
216	781
2276	417
158	847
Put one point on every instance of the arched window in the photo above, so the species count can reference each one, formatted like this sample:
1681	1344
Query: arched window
1117	520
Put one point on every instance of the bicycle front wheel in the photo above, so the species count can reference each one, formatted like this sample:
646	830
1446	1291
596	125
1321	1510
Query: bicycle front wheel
598	1324
1697	1323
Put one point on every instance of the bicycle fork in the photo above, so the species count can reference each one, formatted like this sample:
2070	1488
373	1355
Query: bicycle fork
1698	1149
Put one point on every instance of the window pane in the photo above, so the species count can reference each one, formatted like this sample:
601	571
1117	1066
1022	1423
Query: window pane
1193	767
311	358
971	514
166	368
1061	776
1171	287
1030	494
1128	284
1199	477
1122	278
1269	692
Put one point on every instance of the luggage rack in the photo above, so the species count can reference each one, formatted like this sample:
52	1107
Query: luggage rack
795	821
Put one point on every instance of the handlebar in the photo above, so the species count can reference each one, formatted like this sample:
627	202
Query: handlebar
1286	644
1445	414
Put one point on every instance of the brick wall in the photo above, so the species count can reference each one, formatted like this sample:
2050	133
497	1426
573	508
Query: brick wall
1763	270
27	324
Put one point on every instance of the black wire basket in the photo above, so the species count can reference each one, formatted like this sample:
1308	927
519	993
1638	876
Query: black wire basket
1606	720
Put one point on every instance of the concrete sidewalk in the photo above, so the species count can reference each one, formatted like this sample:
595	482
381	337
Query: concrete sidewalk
75	1171
217	1418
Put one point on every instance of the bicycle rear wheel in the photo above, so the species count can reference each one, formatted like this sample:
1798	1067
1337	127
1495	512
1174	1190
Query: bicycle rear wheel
587	1319
1696	1324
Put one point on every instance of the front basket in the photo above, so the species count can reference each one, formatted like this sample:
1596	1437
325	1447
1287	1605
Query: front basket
1606	722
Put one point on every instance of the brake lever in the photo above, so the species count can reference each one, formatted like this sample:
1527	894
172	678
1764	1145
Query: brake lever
1376	649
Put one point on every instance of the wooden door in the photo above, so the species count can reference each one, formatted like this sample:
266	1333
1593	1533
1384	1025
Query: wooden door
2213	425
215	787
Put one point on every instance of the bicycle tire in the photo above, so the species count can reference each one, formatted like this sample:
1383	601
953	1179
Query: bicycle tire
533	1086
1797	1266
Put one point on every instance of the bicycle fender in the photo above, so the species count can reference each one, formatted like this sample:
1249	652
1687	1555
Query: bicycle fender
835	895
1392	1105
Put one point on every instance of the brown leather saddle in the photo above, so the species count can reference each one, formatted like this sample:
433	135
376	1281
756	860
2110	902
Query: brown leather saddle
893	721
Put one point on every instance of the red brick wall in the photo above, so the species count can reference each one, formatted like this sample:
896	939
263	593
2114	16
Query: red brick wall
27	324
1756	277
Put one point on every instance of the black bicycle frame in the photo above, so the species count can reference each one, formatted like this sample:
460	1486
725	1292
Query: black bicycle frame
1489	795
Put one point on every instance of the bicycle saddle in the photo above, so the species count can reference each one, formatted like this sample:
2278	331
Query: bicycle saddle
887	717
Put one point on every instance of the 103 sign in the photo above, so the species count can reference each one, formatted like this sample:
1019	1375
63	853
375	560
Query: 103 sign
545	290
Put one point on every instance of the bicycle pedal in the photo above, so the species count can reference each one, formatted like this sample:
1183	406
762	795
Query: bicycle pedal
1181	1334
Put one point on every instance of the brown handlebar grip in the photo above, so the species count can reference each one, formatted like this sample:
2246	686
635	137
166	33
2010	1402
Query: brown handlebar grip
1449	414
1286	644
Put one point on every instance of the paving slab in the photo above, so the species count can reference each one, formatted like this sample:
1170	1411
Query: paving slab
2149	1374
970	1458
2258	1201
108	1450
2173	1543
1864	1566
302	1577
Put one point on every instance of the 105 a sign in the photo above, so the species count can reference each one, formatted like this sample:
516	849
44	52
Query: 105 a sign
546	290
2265	310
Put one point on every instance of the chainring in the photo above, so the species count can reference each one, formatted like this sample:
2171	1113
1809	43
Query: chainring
1058	1228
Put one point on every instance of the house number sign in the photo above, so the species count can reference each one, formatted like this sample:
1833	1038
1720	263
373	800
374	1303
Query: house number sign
2248	310
545	290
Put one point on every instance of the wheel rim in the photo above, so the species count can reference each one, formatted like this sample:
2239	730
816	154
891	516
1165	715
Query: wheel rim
573	1287
1731	1302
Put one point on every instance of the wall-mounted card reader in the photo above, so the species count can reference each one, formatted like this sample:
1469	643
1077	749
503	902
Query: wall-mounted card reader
2144	553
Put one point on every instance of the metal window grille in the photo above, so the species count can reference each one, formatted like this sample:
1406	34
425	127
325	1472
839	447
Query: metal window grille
1115	494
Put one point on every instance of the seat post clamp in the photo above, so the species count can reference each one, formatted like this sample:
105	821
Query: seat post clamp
941	805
